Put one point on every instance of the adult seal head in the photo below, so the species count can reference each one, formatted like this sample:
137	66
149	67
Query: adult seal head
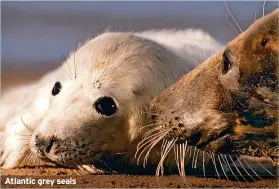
226	110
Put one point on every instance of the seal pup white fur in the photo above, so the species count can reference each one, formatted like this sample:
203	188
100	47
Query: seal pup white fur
124	71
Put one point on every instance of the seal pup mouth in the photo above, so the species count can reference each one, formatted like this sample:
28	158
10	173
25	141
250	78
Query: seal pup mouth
225	109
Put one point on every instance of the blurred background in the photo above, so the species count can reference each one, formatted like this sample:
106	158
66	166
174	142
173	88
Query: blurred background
37	36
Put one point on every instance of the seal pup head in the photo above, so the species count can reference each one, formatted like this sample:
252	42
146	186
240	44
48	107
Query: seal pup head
226	107
97	113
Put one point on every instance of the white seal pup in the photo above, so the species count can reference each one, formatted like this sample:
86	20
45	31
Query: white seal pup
93	106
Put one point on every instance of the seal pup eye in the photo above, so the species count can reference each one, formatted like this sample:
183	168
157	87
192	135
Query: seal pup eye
264	42
105	106
56	88
226	62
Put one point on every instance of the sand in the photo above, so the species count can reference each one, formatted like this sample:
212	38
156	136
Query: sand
123	181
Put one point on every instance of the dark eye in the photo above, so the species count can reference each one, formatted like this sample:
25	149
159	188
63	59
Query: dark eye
226	63
264	42
105	106
56	88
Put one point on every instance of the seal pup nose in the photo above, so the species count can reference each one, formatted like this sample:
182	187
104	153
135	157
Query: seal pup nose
44	144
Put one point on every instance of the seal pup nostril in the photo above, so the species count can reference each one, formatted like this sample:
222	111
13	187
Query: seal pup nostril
44	145
49	144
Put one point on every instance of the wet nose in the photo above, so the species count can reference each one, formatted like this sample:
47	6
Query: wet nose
44	144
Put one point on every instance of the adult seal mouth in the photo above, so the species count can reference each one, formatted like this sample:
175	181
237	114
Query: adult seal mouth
226	108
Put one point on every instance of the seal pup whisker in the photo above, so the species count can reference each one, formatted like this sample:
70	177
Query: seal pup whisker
78	171
34	160
29	157
75	64
25	155
102	74
92	169
63	60
29	128
24	147
68	65
98	82
83	171
24	135
24	139
87	168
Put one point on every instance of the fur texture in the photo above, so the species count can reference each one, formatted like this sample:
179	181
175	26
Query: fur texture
130	68
228	106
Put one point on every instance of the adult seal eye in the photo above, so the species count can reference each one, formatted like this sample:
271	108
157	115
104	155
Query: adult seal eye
226	62
56	88
264	42
105	106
